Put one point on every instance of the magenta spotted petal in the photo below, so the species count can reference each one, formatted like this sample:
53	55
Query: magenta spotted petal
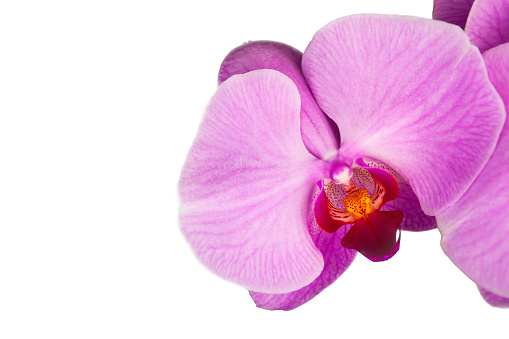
411	93
246	184
319	133
488	23
475	231
452	11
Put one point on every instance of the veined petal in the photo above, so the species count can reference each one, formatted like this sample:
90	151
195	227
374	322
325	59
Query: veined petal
452	11
245	186
319	133
414	218
336	257
488	23
412	93
493	299
475	231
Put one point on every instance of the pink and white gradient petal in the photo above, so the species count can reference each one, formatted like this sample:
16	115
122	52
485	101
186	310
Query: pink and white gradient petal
246	183
475	231
412	93
319	133
452	11
488	23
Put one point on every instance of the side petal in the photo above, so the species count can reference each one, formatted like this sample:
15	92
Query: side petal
493	299
319	133
245	186
475	231
336	257
414	219
412	93
452	11
488	23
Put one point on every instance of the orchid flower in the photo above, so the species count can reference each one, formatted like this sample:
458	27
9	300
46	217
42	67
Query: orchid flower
475	231
302	160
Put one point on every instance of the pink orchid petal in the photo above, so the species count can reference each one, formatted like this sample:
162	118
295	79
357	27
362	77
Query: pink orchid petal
337	259
488	23
412	93
414	219
246	183
319	133
493	299
475	231
452	11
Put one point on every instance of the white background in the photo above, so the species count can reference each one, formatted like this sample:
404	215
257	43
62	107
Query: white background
99	103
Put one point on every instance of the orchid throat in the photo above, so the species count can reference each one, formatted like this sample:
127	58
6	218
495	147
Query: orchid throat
375	233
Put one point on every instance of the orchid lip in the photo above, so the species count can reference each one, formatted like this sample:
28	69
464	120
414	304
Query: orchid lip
375	233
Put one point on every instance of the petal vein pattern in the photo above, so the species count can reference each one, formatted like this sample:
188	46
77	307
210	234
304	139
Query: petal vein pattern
246	183
412	93
336	257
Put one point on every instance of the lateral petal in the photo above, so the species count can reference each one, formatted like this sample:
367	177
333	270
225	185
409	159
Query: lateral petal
412	93
452	11
245	186
475	231
488	23
319	133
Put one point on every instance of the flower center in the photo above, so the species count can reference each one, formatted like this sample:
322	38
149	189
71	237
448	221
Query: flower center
357	202
374	233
